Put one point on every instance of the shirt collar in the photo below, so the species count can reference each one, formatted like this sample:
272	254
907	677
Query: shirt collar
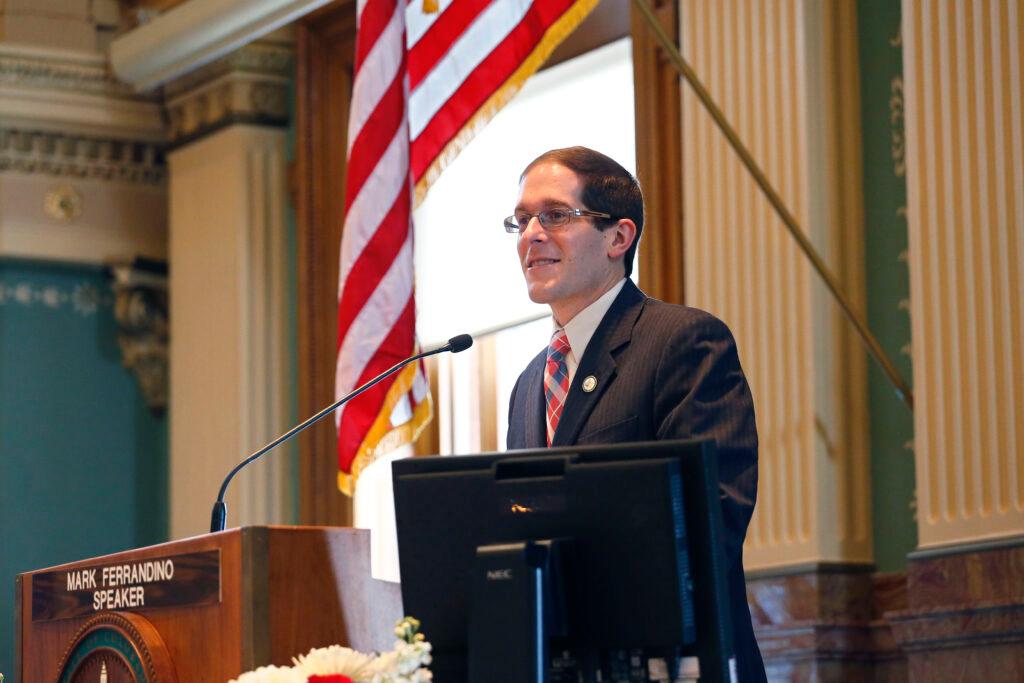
581	328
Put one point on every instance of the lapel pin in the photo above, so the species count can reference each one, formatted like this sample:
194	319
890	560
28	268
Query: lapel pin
589	384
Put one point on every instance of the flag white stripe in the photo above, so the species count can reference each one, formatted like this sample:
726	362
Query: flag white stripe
472	47
420	386
402	412
374	322
418	22
375	198
375	75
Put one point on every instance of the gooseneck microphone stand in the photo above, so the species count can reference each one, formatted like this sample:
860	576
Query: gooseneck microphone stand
220	511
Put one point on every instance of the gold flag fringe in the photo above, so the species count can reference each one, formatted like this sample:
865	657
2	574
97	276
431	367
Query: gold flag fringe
382	436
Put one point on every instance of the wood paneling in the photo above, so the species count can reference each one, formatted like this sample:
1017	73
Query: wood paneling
606	23
326	48
658	104
283	591
200	633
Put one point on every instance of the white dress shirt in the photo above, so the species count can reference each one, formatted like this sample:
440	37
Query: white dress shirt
581	328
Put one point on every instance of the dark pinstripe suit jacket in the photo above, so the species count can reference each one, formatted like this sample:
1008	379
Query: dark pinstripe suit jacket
663	372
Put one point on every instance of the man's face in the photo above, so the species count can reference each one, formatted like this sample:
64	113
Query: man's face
569	267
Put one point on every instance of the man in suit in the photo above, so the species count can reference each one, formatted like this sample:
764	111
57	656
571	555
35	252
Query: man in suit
622	366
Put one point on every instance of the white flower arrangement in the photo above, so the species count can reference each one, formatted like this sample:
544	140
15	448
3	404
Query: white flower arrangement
326	661
406	663
272	674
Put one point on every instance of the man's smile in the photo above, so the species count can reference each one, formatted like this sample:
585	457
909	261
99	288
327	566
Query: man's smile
539	262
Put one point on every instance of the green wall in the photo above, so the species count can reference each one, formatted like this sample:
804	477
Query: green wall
83	462
887	277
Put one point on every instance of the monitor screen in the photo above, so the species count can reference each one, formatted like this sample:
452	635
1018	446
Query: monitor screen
640	576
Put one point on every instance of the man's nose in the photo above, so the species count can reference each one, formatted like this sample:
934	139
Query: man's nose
533	229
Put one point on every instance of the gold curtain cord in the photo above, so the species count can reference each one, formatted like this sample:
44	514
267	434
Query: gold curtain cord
686	71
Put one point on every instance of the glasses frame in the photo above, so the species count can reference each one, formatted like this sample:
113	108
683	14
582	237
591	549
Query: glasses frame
512	224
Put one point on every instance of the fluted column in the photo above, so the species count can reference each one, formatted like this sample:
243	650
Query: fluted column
230	378
785	74
964	64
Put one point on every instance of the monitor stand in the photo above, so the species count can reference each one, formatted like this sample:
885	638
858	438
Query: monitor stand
517	605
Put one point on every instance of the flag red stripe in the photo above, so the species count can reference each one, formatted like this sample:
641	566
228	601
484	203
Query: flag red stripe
374	19
440	37
372	263
375	137
360	415
484	81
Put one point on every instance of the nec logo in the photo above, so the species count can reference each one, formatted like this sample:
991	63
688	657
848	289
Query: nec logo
499	574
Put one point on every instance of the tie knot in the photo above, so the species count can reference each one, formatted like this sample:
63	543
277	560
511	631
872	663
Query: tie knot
559	344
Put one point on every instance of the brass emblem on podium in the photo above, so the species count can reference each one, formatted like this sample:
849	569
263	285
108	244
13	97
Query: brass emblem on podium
117	648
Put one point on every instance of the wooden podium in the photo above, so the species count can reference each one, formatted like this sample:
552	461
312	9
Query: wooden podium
202	609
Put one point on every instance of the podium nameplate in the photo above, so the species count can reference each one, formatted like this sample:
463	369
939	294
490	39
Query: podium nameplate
171	581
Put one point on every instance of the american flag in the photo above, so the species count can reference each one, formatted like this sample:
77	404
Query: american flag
425	81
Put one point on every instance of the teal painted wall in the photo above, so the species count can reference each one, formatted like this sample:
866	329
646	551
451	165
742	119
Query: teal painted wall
887	278
83	462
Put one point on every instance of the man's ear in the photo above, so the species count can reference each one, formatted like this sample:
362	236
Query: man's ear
623	234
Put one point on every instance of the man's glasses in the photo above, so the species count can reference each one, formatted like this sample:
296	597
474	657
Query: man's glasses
550	219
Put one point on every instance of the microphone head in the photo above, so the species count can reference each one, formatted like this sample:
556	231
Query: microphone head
460	343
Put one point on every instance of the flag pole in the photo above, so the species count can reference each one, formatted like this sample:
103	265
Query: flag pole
903	390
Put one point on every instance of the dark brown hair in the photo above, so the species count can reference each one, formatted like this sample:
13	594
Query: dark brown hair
607	187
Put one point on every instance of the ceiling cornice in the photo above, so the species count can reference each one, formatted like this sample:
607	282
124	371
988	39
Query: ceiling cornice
195	33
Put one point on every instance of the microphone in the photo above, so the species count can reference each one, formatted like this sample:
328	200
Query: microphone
457	343
220	511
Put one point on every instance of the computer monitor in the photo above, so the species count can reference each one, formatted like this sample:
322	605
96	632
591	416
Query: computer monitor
620	546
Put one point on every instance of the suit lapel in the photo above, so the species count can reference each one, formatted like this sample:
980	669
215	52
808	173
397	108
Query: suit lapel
598	362
536	418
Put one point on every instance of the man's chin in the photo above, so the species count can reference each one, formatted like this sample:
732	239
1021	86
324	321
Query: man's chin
539	294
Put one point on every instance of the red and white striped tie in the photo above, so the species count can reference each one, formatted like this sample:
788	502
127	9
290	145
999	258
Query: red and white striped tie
556	380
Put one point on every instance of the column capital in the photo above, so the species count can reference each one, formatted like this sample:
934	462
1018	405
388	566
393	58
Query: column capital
250	85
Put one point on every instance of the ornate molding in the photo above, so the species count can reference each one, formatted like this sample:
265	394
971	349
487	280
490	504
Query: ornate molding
247	86
264	59
67	91
52	70
140	308
81	157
